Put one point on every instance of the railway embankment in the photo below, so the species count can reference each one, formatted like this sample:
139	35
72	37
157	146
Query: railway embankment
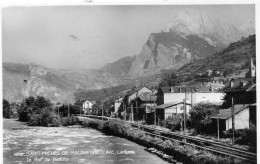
171	150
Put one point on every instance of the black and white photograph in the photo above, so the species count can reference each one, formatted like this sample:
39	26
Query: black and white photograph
129	83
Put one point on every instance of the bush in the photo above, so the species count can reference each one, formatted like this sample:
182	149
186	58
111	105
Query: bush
116	127
7	112
35	120
173	122
200	117
23	114
71	120
244	137
46	118
32	106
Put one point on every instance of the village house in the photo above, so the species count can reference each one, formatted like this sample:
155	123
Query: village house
165	111
193	95
87	106
137	93
130	99
209	72
241	117
243	92
146	104
117	104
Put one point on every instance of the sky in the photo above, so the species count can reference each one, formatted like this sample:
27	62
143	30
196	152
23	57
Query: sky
88	37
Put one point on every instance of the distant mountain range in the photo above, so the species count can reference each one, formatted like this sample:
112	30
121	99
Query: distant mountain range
191	36
57	85
236	56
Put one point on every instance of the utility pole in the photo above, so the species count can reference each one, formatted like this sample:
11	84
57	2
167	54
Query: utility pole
136	104
145	108
191	97
124	106
102	113
68	105
233	122
88	108
132	114
184	118
218	126
154	113
68	109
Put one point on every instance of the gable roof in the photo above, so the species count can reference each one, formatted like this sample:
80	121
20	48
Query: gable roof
227	114
238	85
137	91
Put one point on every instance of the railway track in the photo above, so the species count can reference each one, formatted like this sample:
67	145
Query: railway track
200	143
213	146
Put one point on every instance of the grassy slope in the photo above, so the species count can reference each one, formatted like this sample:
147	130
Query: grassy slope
234	56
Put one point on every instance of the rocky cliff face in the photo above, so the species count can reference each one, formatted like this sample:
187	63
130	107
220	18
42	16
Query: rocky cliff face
57	85
120	67
170	50
191	35
198	23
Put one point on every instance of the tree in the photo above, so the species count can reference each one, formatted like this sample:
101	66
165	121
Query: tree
7	112
32	106
200	116
42	102
30	101
228	71
169	79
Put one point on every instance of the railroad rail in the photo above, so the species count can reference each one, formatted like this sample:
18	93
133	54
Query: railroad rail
213	146
200	143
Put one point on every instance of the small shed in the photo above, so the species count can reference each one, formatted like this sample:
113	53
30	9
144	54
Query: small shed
241	118
167	110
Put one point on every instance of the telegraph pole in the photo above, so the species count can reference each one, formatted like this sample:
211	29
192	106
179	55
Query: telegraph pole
102	113
88	108
68	105
184	118
233	122
136	110
124	106
132	114
68	109
191	101
218	126
154	114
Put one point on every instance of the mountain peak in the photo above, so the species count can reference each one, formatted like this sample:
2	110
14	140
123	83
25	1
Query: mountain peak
189	22
195	22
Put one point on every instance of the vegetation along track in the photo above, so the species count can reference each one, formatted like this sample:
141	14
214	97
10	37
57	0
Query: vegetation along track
212	146
200	143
